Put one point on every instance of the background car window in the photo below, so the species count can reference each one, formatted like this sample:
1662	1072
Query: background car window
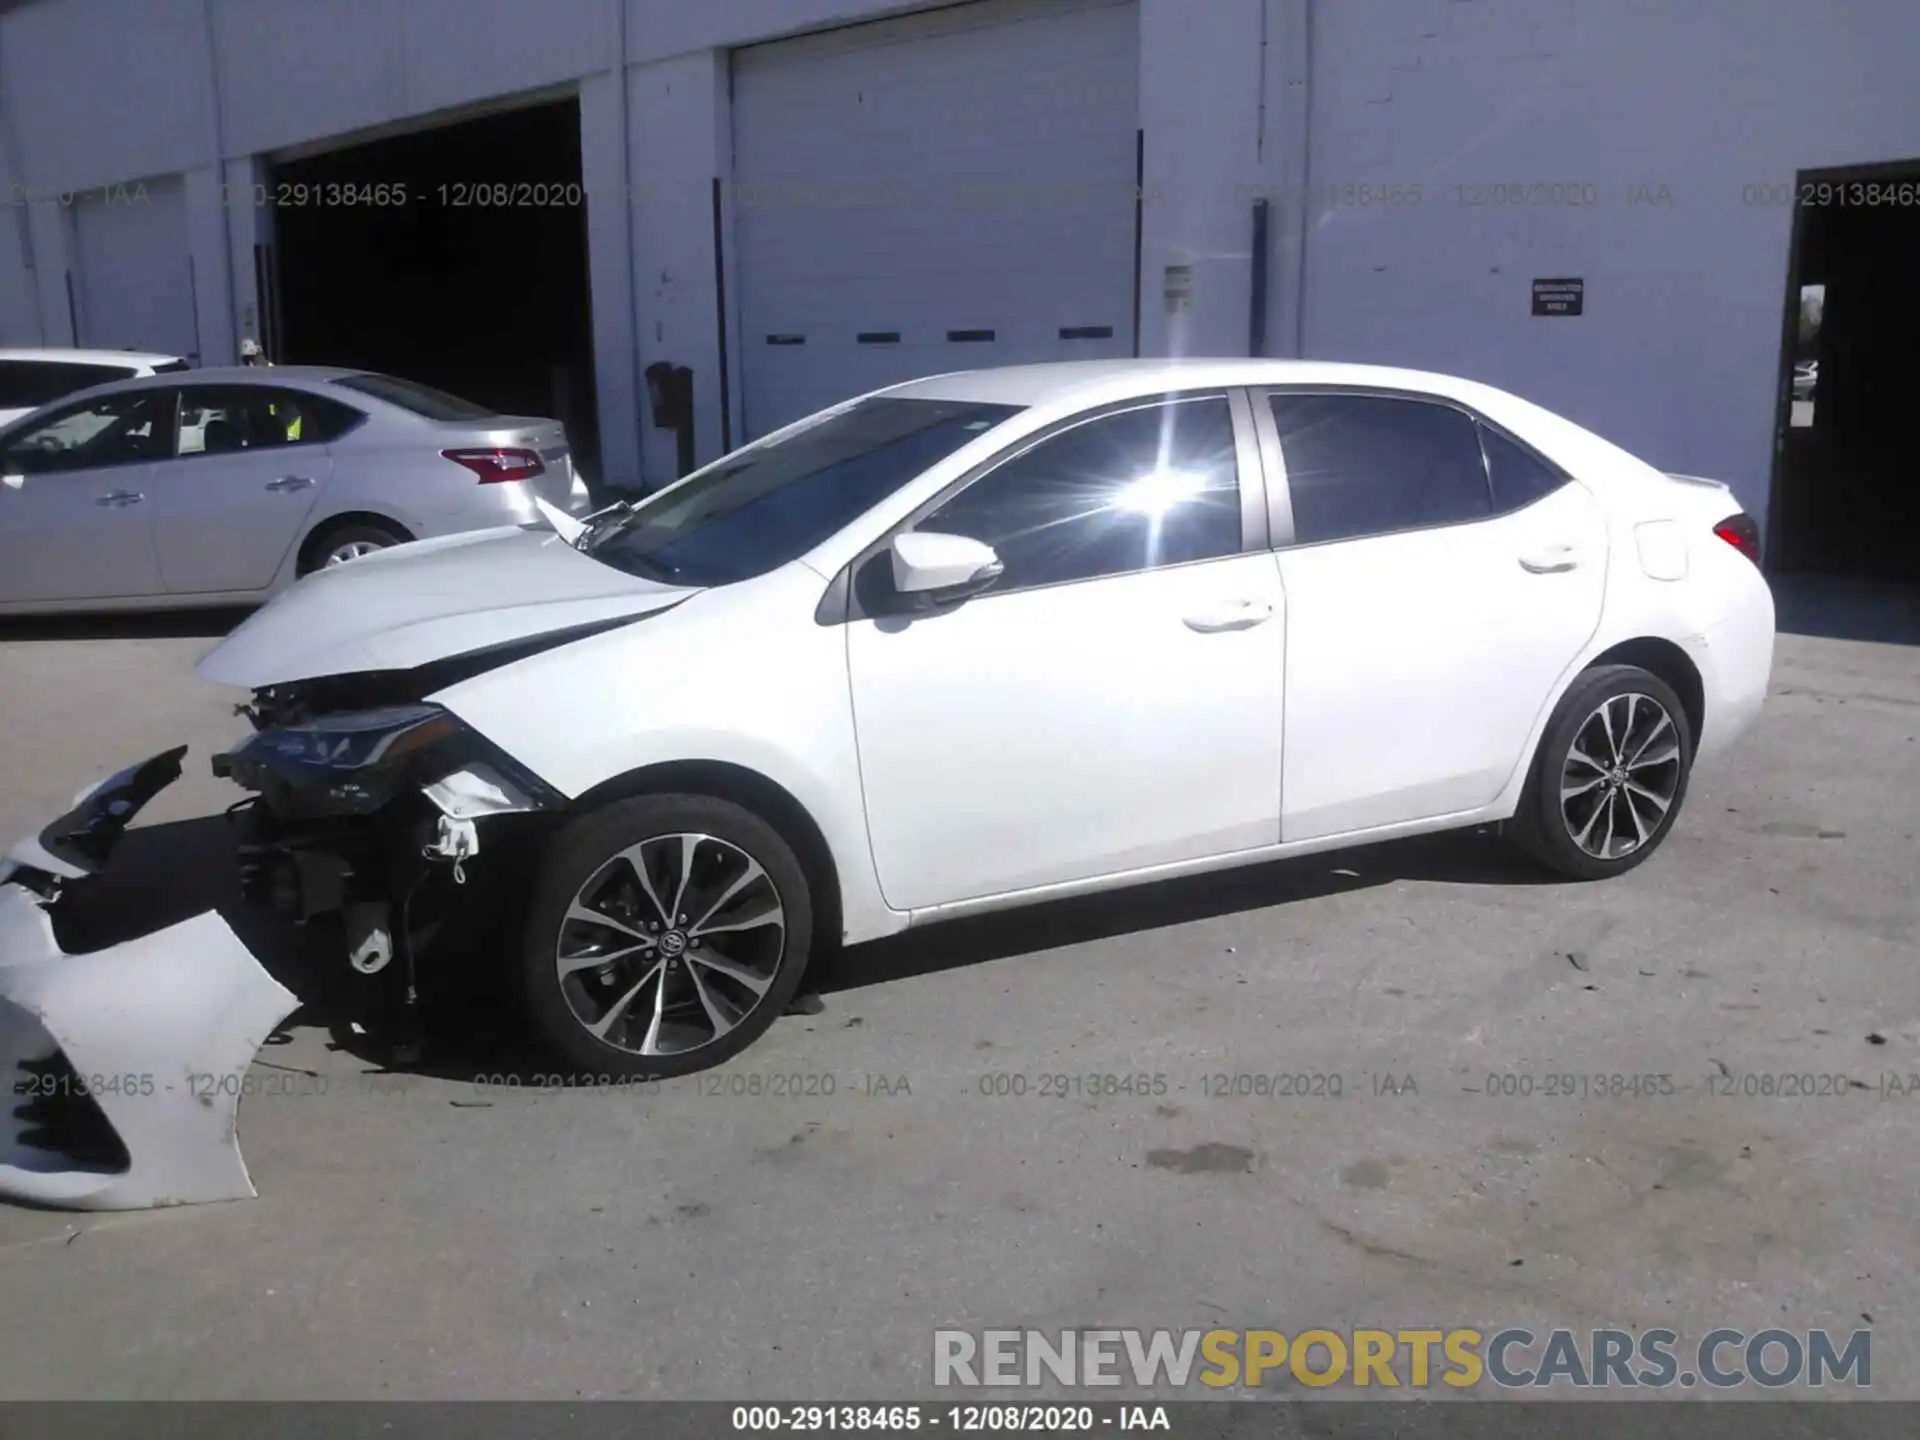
218	420
29	384
422	400
1519	477
1368	465
1133	491
119	429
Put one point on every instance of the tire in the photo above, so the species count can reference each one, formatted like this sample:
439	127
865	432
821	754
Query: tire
744	971
1556	825
371	534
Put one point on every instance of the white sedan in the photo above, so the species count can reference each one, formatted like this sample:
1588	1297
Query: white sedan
974	642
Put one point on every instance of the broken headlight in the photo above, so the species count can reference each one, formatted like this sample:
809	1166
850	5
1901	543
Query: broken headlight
347	763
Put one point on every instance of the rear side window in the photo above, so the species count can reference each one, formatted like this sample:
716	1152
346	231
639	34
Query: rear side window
1370	465
1518	476
421	400
217	419
29	384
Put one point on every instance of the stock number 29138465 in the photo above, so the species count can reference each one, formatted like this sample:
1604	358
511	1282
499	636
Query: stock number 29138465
1067	1085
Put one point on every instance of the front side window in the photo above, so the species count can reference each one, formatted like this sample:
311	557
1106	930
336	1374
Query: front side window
122	429
1362	465
1136	490
772	502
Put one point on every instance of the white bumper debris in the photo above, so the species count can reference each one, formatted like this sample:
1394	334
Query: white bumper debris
126	1065
123	1067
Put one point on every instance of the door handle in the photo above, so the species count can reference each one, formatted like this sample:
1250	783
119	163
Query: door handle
290	482
1550	560
1240	615
120	498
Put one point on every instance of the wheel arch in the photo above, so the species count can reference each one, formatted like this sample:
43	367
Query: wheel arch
746	787
1672	664
321	528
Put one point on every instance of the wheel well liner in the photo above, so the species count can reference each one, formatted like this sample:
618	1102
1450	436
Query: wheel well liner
767	798
1671	664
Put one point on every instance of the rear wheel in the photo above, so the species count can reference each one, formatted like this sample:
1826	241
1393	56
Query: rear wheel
666	934
337	544
1609	777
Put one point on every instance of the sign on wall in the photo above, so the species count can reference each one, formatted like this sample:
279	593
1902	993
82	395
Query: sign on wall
1564	296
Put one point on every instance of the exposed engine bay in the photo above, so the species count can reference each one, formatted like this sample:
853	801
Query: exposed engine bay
370	809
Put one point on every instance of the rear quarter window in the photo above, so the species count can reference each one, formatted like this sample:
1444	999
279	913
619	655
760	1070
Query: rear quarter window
409	395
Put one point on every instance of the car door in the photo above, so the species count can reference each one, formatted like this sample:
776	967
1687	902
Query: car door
1114	700
76	513
1441	577
251	461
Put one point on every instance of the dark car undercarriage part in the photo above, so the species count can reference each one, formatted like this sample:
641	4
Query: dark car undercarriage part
370	807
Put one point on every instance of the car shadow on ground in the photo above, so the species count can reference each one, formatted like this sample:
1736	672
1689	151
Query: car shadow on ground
155	625
163	874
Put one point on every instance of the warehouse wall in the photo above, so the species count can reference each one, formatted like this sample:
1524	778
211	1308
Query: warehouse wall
1661	112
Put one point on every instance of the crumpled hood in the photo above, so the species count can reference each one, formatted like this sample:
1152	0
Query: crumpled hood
414	604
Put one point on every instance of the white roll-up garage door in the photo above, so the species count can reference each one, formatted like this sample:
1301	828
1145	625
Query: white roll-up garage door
136	280
931	193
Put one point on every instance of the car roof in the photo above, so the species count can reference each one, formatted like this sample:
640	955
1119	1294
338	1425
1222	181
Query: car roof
65	355
234	375
1092	382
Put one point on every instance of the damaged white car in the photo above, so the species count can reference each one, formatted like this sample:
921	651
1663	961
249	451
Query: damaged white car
973	642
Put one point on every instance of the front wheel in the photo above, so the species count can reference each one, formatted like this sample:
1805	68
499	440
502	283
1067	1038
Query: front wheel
1609	777
666	934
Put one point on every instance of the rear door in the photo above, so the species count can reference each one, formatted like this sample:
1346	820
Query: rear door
76	511
1440	579
250	463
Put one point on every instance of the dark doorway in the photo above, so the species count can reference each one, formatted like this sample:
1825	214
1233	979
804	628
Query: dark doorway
456	256
1845	501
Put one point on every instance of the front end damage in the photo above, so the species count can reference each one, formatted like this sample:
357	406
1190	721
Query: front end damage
125	1064
372	813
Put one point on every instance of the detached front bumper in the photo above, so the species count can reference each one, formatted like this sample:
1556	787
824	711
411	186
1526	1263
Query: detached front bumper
125	1066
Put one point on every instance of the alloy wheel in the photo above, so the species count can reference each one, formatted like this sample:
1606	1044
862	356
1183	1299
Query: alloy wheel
1621	776
349	550
670	944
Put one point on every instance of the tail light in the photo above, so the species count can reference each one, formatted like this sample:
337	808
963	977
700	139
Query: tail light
495	465
1740	532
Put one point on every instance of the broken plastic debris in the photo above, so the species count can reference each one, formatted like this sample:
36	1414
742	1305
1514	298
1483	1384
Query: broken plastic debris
126	1065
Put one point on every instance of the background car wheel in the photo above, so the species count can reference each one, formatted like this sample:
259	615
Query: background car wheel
666	934
338	544
1610	775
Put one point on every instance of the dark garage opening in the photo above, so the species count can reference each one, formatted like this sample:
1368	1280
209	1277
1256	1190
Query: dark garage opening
468	272
1846	502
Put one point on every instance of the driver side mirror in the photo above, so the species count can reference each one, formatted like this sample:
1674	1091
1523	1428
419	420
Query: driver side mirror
943	568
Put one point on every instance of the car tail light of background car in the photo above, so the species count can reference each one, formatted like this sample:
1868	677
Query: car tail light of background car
495	465
1739	531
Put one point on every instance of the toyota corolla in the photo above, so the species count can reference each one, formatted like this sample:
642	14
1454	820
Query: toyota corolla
968	643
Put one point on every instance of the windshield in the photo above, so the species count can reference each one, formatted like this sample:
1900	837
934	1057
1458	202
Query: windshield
770	504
